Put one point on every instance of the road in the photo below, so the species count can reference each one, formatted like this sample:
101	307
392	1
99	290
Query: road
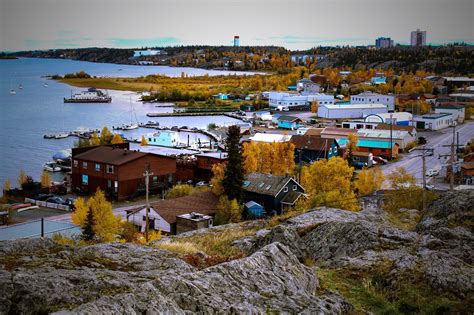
118	212
437	140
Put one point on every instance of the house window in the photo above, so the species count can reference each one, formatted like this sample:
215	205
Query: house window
85	180
286	189
76	163
116	186
110	169
84	165
294	187
97	167
149	139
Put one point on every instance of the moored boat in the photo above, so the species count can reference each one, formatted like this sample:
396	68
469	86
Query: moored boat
51	167
92	95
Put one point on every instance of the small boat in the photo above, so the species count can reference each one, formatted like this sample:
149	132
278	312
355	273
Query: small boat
61	135
49	136
12	92
51	167
130	126
20	87
45	84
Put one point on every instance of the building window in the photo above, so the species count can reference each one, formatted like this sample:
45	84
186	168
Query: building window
84	165
149	139
110	169
85	180
294	187
97	167
116	186
286	189
76	163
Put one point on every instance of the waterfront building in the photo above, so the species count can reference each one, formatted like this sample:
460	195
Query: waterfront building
418	38
298	101
119	172
164	138
147	53
374	98
344	111
384	42
458	111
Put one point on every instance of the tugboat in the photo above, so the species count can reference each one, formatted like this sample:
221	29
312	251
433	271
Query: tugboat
92	95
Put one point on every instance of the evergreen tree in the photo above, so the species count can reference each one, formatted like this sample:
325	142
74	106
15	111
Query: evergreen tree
88	233
234	172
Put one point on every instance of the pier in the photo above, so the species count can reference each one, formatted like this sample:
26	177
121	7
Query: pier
183	114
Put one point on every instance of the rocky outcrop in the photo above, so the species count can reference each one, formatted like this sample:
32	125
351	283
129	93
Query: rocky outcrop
131	279
440	249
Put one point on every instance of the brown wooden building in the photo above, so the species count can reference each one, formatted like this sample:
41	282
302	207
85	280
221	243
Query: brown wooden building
199	168
119	172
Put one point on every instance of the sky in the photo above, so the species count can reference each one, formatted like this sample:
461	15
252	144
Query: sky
294	24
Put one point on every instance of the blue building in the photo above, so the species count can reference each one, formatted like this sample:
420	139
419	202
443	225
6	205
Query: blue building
312	148
289	122
254	210
378	80
164	138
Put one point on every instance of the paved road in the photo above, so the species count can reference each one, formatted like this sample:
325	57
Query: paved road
436	139
118	212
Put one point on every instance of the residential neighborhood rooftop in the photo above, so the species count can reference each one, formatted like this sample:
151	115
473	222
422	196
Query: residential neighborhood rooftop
110	155
367	143
265	184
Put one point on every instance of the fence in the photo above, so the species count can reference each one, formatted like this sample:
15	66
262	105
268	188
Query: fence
38	228
48	204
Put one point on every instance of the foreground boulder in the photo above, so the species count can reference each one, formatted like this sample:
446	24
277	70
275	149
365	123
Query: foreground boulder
131	279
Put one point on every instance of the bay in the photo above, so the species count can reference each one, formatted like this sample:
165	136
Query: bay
37	109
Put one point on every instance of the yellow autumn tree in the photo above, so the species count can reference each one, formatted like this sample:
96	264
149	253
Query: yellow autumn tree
45	179
105	136
143	141
218	171
251	155
106	225
235	211
95	140
7	185
314	106
116	139
351	146
369	180
22	178
400	178
328	183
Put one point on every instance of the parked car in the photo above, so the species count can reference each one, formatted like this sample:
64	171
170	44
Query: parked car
70	202
201	183
59	189
42	197
55	199
432	172
379	160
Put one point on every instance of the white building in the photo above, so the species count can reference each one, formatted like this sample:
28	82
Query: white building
458	111
374	98
270	137
433	121
350	110
306	86
398	118
146	53
290	100
418	38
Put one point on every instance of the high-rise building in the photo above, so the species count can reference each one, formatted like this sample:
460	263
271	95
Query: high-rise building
418	38
384	42
236	41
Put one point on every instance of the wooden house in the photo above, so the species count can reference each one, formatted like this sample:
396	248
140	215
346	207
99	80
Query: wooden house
274	193
312	148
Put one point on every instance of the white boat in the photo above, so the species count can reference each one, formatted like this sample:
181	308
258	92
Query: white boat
20	87
61	135
12	92
130	126
45	84
51	167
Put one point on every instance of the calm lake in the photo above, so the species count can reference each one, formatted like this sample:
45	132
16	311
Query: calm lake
37	109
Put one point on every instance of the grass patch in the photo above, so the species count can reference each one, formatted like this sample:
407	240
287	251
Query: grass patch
213	242
371	291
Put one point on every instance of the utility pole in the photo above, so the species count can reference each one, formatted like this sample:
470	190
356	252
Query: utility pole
147	175
424	177
452	156
391	137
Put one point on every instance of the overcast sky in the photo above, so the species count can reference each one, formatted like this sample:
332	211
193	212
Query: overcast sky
295	24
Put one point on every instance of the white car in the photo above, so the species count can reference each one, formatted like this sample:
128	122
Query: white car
432	172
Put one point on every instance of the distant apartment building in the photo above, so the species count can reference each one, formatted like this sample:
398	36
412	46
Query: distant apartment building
374	98
418	38
384	42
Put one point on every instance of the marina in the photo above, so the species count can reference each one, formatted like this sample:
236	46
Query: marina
24	123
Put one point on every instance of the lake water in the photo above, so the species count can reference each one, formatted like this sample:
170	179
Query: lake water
36	110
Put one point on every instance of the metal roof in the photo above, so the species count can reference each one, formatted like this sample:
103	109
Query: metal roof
367	143
266	184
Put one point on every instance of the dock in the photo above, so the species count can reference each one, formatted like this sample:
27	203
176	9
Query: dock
184	114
